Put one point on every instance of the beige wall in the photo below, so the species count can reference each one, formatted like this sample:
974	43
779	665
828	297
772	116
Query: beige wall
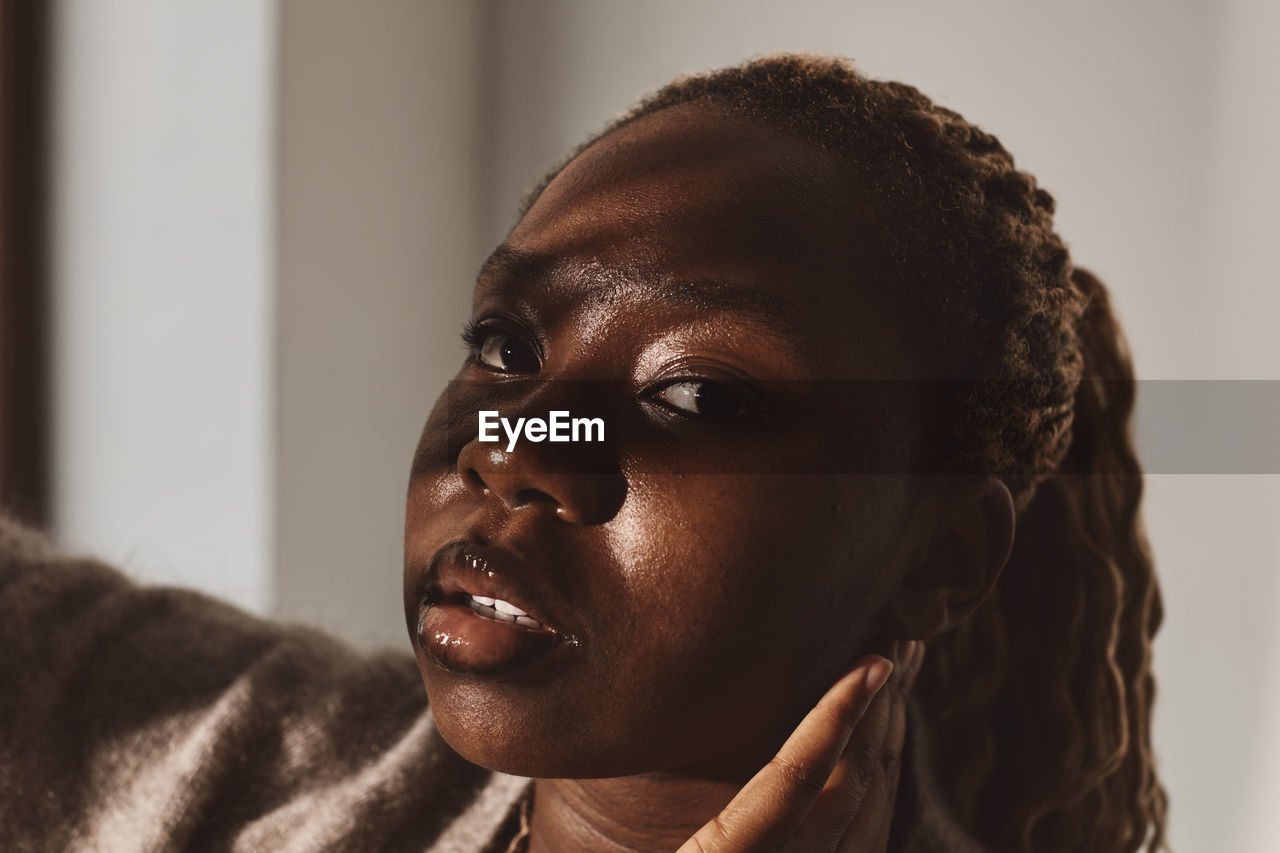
377	194
162	250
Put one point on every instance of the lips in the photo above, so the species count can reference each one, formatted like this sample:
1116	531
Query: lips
482	610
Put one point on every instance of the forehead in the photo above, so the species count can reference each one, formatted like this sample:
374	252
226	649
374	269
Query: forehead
695	186
693	193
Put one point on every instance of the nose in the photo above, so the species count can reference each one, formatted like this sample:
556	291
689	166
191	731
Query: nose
579	483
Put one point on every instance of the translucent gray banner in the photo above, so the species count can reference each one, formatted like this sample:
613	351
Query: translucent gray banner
698	424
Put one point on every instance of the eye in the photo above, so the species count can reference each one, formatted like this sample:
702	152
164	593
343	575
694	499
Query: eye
705	398
500	350
505	352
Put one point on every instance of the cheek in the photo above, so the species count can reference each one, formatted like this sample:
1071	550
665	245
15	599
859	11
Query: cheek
451	424
435	504
745	577
742	608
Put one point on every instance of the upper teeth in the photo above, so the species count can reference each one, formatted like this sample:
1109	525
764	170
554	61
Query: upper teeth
507	608
499	605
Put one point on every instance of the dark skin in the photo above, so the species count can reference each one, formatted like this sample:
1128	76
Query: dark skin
718	614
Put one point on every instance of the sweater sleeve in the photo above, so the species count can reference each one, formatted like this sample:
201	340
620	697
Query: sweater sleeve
148	718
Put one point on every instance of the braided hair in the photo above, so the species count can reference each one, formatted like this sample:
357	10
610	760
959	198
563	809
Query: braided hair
1040	704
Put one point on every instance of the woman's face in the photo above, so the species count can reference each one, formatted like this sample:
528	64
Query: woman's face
699	580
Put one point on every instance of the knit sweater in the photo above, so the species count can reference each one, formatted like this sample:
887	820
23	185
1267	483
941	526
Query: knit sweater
152	719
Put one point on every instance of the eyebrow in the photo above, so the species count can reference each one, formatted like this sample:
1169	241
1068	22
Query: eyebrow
507	268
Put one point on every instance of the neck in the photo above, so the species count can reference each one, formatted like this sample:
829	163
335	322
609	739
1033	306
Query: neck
653	812
645	813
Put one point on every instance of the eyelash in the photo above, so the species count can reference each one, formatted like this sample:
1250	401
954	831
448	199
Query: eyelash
473	334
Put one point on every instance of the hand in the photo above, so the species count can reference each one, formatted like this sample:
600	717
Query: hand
831	787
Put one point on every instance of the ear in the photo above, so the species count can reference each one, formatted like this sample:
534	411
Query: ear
965	547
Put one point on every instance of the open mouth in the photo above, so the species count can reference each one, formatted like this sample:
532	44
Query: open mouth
480	612
465	633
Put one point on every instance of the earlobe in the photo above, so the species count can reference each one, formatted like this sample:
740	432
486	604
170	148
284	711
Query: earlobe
915	614
957	565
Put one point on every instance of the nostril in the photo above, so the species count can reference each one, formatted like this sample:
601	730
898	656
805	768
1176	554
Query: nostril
531	496
474	482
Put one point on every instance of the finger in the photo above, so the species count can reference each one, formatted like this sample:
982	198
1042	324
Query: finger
910	669
767	810
846	788
868	767
868	832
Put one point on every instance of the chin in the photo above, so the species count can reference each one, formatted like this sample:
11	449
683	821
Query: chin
502	733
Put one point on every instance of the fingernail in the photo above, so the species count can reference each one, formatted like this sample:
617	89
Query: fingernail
878	675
